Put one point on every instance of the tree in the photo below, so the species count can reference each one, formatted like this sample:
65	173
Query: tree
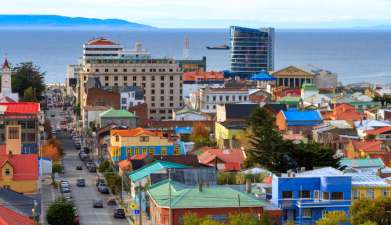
191	219
57	168
29	95
374	210
199	132
26	75
333	218
60	212
104	166
251	219
369	223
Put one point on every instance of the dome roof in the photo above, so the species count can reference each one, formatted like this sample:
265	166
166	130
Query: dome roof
101	41
262	76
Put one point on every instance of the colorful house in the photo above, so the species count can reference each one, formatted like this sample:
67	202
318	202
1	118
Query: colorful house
217	202
226	132
368	185
369	149
306	197
10	217
298	121
127	143
19	172
345	112
383	133
223	160
363	165
119	117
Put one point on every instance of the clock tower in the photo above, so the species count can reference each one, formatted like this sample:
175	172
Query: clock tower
6	79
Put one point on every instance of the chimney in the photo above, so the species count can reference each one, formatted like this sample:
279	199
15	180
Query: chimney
291	173
10	154
248	186
302	169
200	187
379	173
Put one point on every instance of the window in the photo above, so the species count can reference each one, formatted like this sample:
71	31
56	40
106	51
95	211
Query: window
115	78
287	194
125	70
96	70
143	78
153	92
171	77
161	84
171	98
128	152
106	70
356	194
31	137
171	84
134	78
106	78
144	150
13	133
162	91
307	213
163	151
136	151
227	98
326	196
316	195
162	78
214	98
117	138
7	172
143	70
153	78
385	192
123	101
370	193
144	139
115	70
176	151
151	150
161	98
134	70
125	78
304	194
337	196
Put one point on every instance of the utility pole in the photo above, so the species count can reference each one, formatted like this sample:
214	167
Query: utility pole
139	202
169	198
239	203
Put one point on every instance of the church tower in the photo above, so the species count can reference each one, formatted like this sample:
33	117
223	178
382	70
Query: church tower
6	79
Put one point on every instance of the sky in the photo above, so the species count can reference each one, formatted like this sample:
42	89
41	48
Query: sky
217	13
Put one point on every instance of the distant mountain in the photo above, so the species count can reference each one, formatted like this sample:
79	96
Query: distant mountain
64	21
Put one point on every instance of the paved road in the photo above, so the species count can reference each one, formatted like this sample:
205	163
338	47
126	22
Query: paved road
83	197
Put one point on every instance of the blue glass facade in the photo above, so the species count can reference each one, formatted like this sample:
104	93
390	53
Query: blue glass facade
252	50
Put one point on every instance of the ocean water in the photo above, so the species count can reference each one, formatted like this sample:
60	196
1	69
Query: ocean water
355	55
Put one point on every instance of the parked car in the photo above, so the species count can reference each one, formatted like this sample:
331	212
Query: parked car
77	146
92	169
103	189
100	181
119	213
81	182
65	190
89	164
67	196
98	203
79	167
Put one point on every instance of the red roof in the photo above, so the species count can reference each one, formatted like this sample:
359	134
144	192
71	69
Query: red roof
101	41
133	132
25	166
124	164
21	107
139	156
203	76
292	92
379	130
368	146
233	158
346	112
9	217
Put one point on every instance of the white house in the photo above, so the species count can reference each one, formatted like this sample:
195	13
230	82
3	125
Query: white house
188	114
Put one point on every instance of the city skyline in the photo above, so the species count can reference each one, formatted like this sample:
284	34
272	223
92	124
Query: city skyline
219	13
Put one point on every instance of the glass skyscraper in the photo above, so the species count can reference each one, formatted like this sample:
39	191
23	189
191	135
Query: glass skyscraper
252	50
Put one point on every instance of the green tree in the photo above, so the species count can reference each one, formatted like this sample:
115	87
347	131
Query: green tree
104	166
251	219
289	222
191	219
57	168
29	95
369	223
26	75
374	210
60	212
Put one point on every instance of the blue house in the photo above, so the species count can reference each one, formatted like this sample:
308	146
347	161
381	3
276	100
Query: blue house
306	197
299	121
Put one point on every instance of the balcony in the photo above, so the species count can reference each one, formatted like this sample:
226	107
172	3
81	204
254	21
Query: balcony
309	203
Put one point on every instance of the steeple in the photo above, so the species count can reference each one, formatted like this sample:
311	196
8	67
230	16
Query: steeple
6	64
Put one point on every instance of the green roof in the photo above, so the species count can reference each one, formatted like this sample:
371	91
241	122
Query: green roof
309	87
290	100
186	110
116	113
153	168
365	162
184	197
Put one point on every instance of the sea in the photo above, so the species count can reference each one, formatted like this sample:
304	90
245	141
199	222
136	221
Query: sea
355	55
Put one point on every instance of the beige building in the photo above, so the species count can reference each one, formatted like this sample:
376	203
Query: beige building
161	80
293	77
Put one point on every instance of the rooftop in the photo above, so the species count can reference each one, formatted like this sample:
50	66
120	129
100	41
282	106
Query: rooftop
203	76
116	113
101	41
21	107
262	76
239	111
360	179
133	132
321	172
356	163
186	197
9	217
293	116
153	168
25	166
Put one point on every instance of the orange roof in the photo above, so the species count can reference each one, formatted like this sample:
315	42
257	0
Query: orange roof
25	166
379	130
21	107
101	41
368	146
134	132
202	75
124	164
9	217
346	112
233	158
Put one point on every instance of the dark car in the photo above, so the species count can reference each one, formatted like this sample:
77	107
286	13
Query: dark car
92	169
100	181
77	146
81	182
65	190
79	167
98	203
103	189
89	164
119	213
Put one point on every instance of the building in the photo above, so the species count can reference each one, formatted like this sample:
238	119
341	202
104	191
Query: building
131	96
306	197
228	133
364	126
160	78
207	99
118	117
252	50
10	217
193	81
239	112
188	114
6	88
293	77
298	121
101	48
19	172
127	143
223	160
383	133
192	65
91	115
72	80
19	127
367	185
369	149
324	79
217	202
363	165
345	112
21	203
311	97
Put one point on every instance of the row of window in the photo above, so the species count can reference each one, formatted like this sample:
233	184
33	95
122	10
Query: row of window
307	194
163	104
134	70
226	98
162	85
143	78
370	193
153	111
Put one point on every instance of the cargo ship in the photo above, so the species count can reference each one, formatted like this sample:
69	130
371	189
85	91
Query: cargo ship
219	47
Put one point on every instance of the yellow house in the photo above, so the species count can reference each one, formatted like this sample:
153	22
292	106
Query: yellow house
127	143
227	131
19	172
365	185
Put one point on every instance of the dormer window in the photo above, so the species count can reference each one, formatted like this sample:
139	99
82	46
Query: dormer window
7	172
117	138
144	139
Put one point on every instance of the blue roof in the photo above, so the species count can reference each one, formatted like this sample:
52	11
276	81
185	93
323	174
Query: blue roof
263	76
302	118
183	130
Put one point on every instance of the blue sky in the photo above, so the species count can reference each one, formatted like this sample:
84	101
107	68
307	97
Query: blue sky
217	13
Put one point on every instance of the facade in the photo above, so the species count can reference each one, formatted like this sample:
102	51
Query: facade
227	133
131	96
367	185
101	48
127	143
6	89
306	197
293	77
298	121
252	50
223	160
237	112
218	202
19	172
207	99
324	79
119	117
193	81
187	114
192	65
91	115
71	83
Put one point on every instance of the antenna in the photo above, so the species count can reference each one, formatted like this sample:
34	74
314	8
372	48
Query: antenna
186	48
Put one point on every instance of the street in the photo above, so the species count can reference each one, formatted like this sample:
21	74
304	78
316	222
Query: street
83	197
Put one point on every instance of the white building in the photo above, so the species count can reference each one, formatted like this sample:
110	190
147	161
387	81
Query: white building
323	79
73	72
193	81
101	48
91	115
131	96
207	99
6	88
187	114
